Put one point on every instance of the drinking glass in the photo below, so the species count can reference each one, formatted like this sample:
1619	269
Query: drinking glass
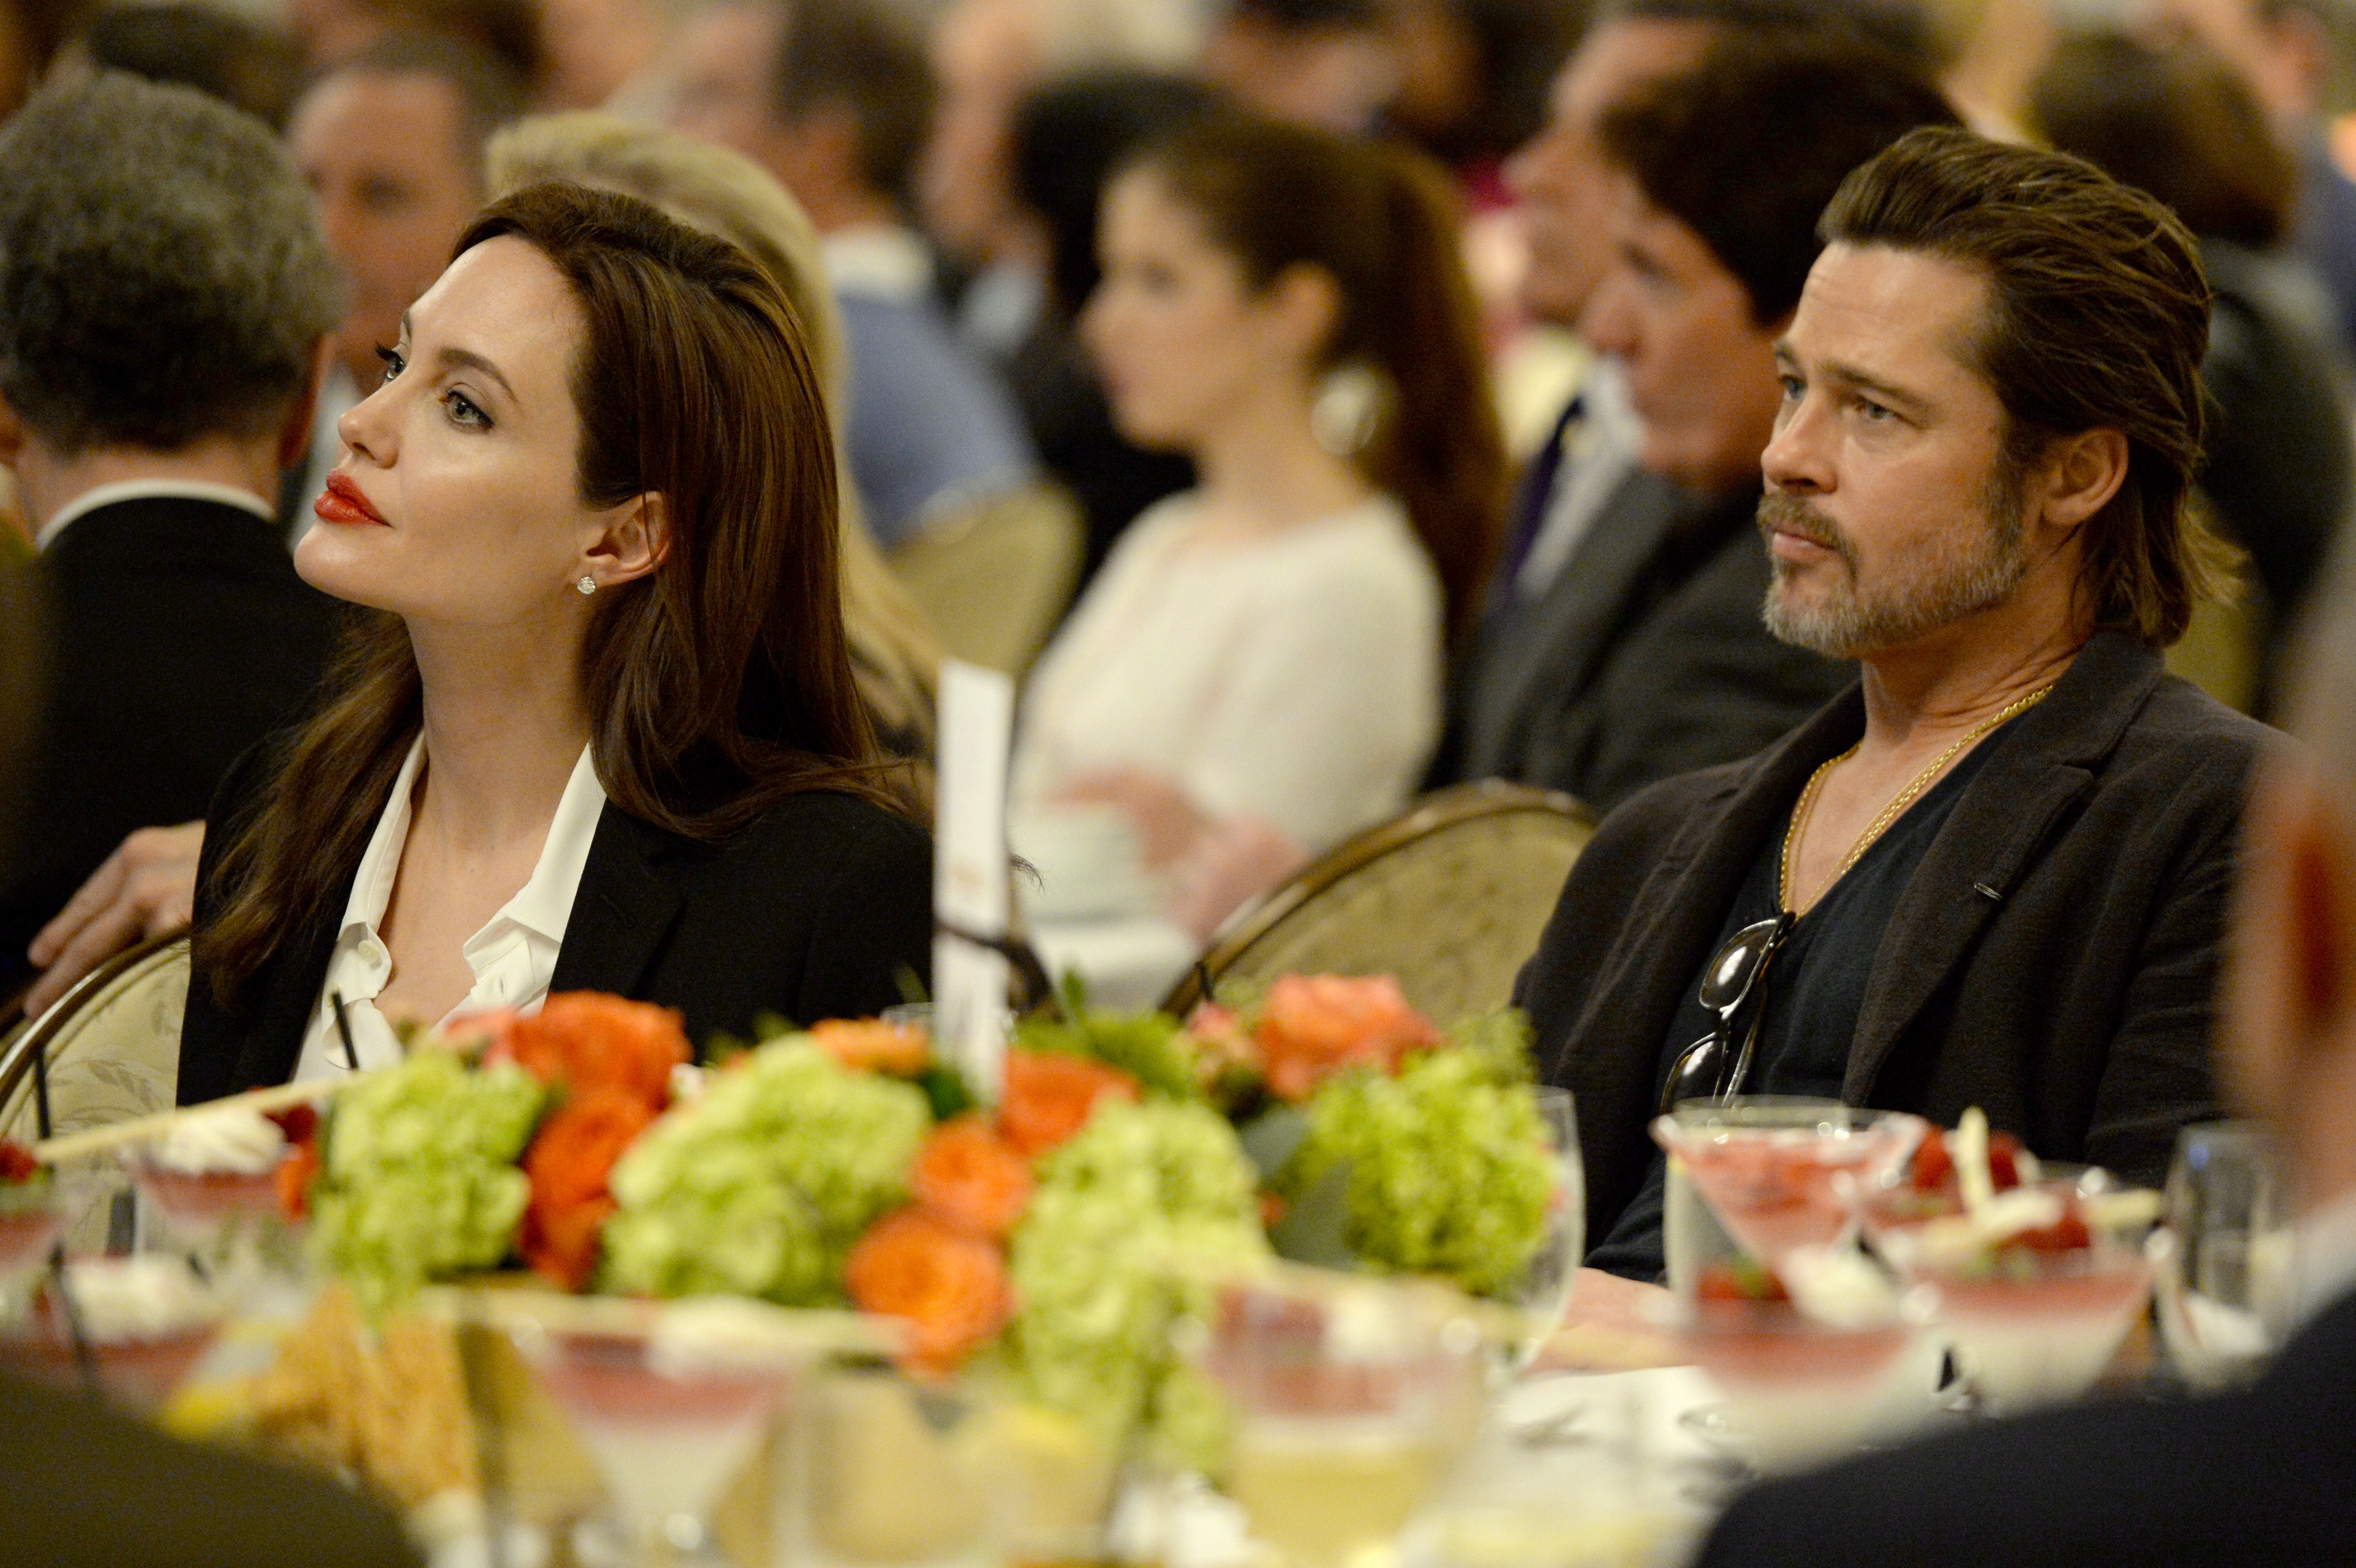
670	1413
2225	1260
1782	1173
1353	1403
132	1328
1543	1292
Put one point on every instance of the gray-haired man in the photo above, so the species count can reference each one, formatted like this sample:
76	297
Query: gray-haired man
163	296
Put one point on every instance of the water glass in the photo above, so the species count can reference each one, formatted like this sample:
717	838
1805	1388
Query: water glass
2226	1275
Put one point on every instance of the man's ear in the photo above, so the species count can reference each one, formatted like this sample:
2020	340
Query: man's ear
2079	474
636	540
294	429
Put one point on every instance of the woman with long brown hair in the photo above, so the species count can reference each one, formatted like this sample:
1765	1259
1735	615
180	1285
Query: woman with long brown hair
1288	308
596	725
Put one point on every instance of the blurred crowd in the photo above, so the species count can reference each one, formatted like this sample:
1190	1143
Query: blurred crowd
1364	395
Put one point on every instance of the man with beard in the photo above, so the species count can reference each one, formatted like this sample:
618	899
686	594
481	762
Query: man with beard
1994	873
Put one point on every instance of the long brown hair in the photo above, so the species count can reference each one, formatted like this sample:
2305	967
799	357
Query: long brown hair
2097	318
1383	223
719	683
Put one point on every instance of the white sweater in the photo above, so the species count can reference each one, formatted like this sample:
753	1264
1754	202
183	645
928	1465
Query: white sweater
1295	676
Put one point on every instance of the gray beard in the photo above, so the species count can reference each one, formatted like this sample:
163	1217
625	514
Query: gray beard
1853	625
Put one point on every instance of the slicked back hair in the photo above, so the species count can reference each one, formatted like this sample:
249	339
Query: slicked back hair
2097	318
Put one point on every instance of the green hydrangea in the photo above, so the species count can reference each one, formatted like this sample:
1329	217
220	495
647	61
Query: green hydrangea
1448	1167
1090	1266
760	1186
419	1179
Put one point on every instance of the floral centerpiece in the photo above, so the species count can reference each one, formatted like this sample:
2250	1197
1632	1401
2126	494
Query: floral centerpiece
1029	1239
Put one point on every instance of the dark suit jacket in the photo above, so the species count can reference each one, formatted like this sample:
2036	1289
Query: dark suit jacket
818	909
89	1489
2053	961
1645	658
181	635
2263	1476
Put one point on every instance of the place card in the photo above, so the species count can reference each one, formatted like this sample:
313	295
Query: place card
970	872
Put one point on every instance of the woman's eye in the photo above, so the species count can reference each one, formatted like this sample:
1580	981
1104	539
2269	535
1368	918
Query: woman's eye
393	363
465	411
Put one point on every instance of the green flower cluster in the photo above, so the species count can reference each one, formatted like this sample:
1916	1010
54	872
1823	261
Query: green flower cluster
760	1186
1091	1265
419	1179
1448	1168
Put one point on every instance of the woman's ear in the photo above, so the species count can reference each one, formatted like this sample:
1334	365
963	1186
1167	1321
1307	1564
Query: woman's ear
1304	306
635	541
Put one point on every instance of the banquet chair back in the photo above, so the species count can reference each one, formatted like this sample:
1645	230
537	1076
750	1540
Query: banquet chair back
1450	898
993	577
112	1044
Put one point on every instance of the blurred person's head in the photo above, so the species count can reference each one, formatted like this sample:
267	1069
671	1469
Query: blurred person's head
1991	408
1069	137
1473	75
391	143
2177	123
1246	260
590	50
723	76
548	416
244	63
1718	176
854	103
333	31
2283	49
2286	1042
163	288
1561	174
986	54
726	194
1328	63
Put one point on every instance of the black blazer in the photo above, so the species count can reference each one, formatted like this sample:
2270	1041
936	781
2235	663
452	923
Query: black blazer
1643	658
2263	1476
821	908
179	636
2053	962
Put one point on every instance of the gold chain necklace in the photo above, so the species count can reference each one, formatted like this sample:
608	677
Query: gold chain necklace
1898	802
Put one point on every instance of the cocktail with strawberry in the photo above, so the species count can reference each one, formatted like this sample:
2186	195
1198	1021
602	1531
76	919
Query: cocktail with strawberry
1783	1175
2038	1276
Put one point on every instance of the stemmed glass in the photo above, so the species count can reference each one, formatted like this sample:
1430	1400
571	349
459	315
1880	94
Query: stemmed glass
1543	1292
2225	1260
1784	1174
669	1401
133	1328
1352	1400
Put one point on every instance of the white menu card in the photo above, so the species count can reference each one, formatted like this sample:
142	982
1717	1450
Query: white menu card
970	872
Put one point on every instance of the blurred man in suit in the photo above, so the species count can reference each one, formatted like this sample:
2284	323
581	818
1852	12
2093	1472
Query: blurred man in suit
1621	641
165	300
2262	1476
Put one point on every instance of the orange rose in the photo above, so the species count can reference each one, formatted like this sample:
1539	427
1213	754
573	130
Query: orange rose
972	1178
293	1178
1051	1095
870	1045
950	1288
589	1040
1312	1027
568	1162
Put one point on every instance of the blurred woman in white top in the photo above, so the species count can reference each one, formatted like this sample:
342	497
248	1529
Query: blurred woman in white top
1257	672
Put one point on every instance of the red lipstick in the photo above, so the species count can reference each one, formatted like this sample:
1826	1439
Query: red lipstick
344	503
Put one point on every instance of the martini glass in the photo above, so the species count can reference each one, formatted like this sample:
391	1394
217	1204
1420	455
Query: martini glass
1352	1401
1783	1174
669	1417
133	1328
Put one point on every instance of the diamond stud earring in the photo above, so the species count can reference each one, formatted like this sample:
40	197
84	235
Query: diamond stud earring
587	585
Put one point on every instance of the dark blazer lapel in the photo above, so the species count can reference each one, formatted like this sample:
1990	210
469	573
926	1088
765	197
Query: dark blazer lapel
1998	826
625	908
1561	638
272	1047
